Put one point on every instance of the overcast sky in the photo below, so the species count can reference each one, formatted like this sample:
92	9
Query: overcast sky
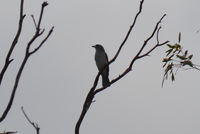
56	80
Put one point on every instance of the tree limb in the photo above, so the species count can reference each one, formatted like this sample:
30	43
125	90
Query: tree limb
35	125
9	132
92	93
28	53
14	43
138	56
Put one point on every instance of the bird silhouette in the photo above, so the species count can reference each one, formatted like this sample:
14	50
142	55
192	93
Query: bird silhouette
101	60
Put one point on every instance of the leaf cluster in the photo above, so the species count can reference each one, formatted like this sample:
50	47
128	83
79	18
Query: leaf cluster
177	58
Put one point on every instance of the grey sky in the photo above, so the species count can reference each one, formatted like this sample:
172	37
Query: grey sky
57	79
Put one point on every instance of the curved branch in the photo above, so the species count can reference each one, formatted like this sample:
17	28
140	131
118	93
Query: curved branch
28	53
122	44
35	125
138	56
92	93
14	89
15	41
128	33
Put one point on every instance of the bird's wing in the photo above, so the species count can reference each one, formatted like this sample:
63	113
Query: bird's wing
107	63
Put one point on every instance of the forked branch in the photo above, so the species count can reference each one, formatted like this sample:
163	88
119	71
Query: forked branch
28	53
35	125
139	55
93	91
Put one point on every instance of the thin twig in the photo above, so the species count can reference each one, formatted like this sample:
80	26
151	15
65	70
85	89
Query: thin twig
128	33
157	35
9	132
43	41
35	125
44	4
34	21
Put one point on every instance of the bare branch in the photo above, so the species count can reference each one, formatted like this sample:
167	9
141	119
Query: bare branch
34	21
35	125
92	93
44	4
147	40
9	132
24	61
129	31
14	89
43	41
147	53
122	44
157	35
138	56
119	50
15	41
38	32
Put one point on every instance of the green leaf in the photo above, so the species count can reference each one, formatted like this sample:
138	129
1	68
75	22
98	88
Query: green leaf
165	64
181	57
179	37
177	46
190	57
165	60
169	51
170	46
169	67
186	52
172	77
187	62
171	56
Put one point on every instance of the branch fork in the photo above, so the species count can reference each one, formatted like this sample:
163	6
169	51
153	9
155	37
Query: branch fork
28	52
93	91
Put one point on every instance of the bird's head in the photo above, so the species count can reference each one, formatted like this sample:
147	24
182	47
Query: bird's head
98	47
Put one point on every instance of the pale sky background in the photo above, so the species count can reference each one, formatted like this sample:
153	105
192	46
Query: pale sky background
56	80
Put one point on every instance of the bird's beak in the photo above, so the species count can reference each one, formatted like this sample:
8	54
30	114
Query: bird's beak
94	46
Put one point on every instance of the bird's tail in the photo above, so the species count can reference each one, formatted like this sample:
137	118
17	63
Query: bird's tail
105	81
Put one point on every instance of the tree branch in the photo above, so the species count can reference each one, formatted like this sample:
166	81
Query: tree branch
43	41
9	132
34	21
44	4
28	53
138	56
35	125
92	93
15	41
128	33
122	44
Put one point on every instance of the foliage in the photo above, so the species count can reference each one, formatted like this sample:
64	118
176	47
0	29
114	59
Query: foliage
176	58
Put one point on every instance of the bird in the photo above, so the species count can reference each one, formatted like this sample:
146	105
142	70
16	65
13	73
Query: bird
101	60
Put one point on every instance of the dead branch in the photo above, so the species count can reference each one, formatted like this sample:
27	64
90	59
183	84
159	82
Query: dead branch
35	125
139	55
93	91
8	60
28	53
9	132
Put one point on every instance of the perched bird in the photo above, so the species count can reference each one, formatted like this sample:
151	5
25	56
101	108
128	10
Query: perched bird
101	59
